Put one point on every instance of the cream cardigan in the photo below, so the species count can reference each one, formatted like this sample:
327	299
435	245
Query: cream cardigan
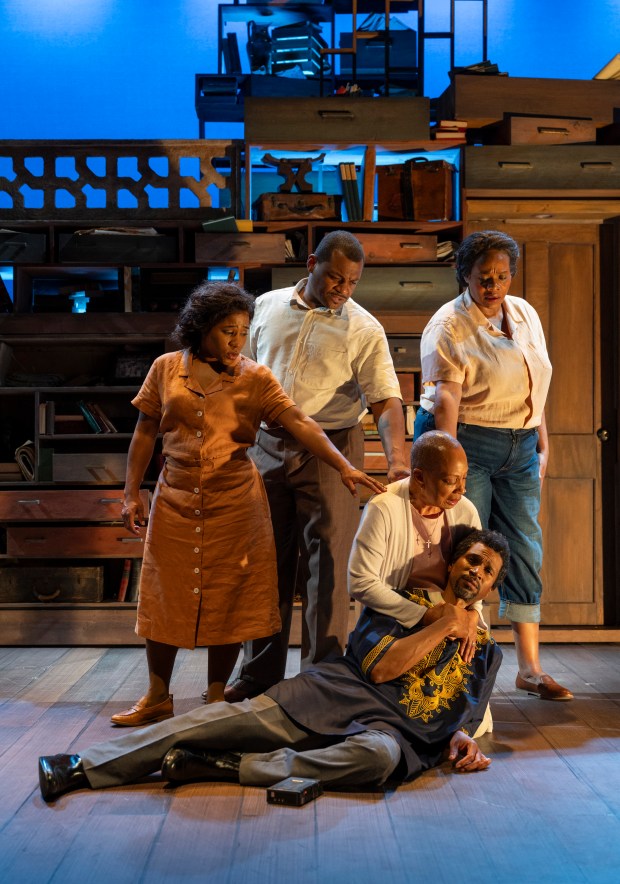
384	547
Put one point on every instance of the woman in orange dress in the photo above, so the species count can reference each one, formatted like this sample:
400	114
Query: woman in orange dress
209	568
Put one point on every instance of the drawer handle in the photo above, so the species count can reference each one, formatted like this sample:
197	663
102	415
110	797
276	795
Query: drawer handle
410	245
514	165
399	349
30	502
239	242
336	115
413	286
130	539
110	500
36	539
597	167
45	598
552	130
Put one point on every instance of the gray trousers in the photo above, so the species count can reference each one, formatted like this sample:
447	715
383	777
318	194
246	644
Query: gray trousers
314	521
273	748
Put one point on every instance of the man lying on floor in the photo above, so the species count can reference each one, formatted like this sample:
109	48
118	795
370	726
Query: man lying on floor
399	702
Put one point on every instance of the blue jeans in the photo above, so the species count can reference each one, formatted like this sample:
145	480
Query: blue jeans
503	485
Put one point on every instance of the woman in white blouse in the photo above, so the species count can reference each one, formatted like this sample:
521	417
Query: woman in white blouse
486	375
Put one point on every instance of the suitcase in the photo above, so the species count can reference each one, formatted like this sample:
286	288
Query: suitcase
419	190
284	206
51	584
427	186
390	194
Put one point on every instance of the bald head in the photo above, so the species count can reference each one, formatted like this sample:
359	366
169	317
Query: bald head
438	471
433	449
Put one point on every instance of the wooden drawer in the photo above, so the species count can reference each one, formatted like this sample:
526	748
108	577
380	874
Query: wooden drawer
336	119
95	468
484	100
406	380
392	289
405	354
543	168
51	584
396	248
56	542
67	506
540	130
23	247
239	248
375	460
118	248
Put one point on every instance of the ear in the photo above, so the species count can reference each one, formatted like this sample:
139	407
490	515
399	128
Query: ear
418	475
311	263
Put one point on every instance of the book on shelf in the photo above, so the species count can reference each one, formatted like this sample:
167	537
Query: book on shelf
123	585
346	189
11	472
357	203
91	420
368	424
102	418
134	581
410	413
350	191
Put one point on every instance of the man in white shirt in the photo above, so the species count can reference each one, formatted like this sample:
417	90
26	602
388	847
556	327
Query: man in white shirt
332	357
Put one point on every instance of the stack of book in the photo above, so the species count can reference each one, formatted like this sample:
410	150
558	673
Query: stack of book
10	471
350	191
96	419
454	130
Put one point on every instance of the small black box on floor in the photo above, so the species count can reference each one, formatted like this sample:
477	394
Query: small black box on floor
294	791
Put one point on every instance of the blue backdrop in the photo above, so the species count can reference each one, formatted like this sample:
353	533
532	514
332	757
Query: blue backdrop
125	68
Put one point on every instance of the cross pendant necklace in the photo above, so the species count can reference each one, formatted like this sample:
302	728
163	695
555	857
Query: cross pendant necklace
425	538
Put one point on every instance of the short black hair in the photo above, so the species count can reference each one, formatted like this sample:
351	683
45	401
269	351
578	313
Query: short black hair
207	305
479	243
341	241
429	450
494	540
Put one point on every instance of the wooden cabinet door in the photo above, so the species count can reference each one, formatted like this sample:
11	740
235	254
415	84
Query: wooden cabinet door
558	275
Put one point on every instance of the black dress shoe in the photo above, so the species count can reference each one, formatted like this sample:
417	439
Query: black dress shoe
182	765
240	690
59	774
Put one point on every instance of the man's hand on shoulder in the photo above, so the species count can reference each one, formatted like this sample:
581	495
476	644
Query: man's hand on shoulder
465	754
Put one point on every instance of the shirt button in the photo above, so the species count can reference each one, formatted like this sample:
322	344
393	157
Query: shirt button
196	490
196	570
199	433
196	549
199	413
197	512
197	530
196	590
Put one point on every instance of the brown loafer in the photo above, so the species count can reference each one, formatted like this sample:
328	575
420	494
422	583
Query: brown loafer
546	688
140	714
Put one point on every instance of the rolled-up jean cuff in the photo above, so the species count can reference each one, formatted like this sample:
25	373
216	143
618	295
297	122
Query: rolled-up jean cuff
518	613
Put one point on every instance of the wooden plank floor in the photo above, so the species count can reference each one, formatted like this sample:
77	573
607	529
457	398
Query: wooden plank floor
548	809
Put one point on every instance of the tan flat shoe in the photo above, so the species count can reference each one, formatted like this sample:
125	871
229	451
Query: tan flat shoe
546	688
140	714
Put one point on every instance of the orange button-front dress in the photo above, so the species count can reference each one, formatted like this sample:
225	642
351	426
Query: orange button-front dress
209	569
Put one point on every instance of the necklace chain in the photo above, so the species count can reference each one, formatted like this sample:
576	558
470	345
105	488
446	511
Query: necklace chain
425	538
